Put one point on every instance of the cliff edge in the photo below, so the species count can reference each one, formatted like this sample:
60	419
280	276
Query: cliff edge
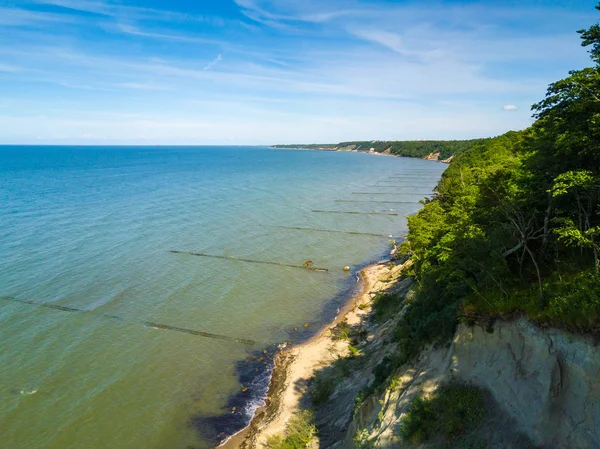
544	382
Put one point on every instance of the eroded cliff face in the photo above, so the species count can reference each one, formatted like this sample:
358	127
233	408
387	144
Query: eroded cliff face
547	380
432	156
546	384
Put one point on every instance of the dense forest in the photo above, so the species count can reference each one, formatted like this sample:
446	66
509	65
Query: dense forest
515	224
408	148
513	229
417	148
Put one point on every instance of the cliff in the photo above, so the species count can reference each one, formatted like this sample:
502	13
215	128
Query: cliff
545	384
537	388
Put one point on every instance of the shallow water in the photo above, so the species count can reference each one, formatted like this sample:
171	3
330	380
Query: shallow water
91	229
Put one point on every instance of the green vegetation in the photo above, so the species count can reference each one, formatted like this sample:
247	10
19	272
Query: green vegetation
385	305
300	431
451	412
322	387
416	148
341	331
515	224
409	148
362	441
514	228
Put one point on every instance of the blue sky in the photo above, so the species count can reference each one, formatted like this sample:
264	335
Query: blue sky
275	71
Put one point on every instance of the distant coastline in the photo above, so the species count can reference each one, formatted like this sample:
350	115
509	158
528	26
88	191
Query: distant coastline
433	150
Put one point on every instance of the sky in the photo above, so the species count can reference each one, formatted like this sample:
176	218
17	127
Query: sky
252	72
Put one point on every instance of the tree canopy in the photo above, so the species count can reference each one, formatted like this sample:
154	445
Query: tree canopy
514	226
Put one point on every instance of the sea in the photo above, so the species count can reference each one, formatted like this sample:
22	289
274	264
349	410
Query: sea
145	290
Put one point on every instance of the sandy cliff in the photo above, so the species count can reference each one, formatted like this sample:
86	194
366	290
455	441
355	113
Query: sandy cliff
546	383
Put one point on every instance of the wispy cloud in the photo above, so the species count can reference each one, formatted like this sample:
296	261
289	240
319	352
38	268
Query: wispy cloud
214	62
15	17
123	11
313	70
9	68
135	31
144	86
510	107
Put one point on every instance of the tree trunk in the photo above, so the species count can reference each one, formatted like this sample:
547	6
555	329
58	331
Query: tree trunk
547	222
539	276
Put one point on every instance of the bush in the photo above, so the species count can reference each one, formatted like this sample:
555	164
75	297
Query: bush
299	432
427	320
341	331
361	398
452	411
321	389
572	302
386	305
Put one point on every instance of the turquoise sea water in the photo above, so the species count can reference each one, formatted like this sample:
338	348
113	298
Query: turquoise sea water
90	230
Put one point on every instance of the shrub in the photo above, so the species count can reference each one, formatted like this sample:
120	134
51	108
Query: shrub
321	389
452	411
300	431
385	305
572	302
362	441
354	351
341	331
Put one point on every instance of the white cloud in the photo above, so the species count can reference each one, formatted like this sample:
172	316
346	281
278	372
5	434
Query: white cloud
144	86
9	68
122	11
214	62
15	17
390	40
389	71
129	29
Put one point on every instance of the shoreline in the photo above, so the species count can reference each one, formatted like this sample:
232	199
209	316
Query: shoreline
295	366
426	158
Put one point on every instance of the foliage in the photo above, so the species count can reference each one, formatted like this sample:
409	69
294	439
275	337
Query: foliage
354	351
573	302
450	412
299	433
515	224
322	388
361	397
416	148
362	440
341	331
385	305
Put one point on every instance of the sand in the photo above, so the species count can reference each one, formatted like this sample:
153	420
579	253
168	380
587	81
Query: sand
294	367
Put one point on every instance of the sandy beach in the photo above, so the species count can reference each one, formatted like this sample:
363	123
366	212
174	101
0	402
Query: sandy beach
294	367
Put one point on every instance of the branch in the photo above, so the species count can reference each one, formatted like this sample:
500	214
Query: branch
513	250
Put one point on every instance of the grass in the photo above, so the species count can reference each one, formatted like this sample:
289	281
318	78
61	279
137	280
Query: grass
341	331
360	399
395	382
386	305
354	351
572	302
428	319
322	388
451	412
300	431
362	440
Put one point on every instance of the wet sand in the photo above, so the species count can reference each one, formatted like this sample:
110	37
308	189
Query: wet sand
295	366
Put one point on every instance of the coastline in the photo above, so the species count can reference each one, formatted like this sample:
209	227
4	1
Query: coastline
295	366
431	157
